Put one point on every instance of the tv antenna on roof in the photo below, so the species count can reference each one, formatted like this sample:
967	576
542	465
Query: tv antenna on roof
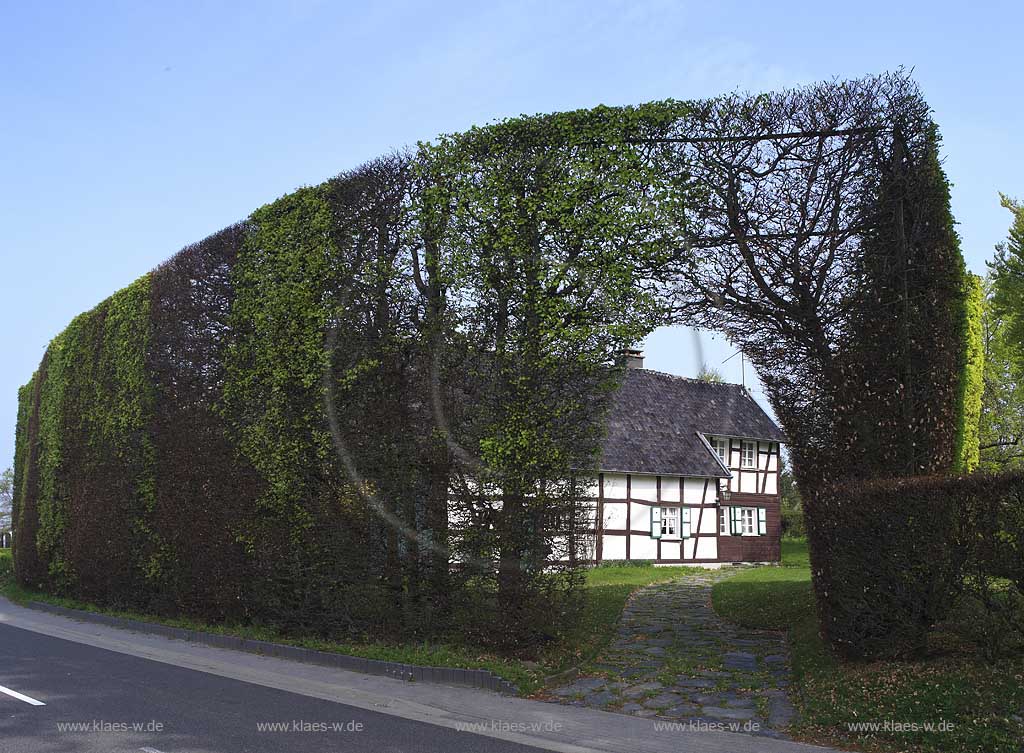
743	368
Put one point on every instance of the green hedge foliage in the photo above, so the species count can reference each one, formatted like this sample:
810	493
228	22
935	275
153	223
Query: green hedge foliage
272	426
902	394
25	510
901	367
902	552
204	488
86	456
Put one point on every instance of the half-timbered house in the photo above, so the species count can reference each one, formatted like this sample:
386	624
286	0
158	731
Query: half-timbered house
689	474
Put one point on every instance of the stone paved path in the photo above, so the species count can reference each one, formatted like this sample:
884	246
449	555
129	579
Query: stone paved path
674	658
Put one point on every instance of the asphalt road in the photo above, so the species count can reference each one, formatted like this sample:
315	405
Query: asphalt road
99	701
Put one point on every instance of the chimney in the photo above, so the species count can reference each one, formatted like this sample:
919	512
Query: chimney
634	358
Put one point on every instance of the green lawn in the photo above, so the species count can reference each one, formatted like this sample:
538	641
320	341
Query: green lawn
606	594
794	553
952	685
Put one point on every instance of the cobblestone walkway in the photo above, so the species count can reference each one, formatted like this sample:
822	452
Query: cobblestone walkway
674	658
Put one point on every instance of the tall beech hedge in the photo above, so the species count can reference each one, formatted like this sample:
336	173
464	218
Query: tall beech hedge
932	540
366	410
904	405
204	486
86	456
271	426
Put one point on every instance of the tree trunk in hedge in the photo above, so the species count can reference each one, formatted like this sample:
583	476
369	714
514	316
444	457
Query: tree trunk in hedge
512	592
437	596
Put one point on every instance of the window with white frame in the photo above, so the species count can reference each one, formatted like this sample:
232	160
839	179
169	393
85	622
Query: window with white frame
748	458
721	446
747	519
742	521
670	521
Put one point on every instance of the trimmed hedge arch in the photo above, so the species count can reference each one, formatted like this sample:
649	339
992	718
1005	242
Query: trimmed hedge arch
276	424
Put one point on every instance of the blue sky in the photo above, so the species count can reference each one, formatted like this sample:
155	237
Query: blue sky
131	129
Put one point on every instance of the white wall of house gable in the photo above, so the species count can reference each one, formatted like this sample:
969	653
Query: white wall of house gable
615	485
669	489
644	487
614	548
640	517
753	480
708	521
771	465
615	515
707	548
670	550
643	548
747	482
735	451
693	491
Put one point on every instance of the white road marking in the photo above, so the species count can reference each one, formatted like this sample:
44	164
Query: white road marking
20	697
150	750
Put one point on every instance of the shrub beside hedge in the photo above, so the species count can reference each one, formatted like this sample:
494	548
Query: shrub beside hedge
891	557
971	384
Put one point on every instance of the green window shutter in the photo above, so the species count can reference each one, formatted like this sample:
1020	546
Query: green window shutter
684	522
762	521
735	522
655	522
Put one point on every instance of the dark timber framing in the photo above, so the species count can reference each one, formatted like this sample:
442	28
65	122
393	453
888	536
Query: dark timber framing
656	453
729	548
600	515
658	496
629	510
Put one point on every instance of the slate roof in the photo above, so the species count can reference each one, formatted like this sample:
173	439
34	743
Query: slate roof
655	418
